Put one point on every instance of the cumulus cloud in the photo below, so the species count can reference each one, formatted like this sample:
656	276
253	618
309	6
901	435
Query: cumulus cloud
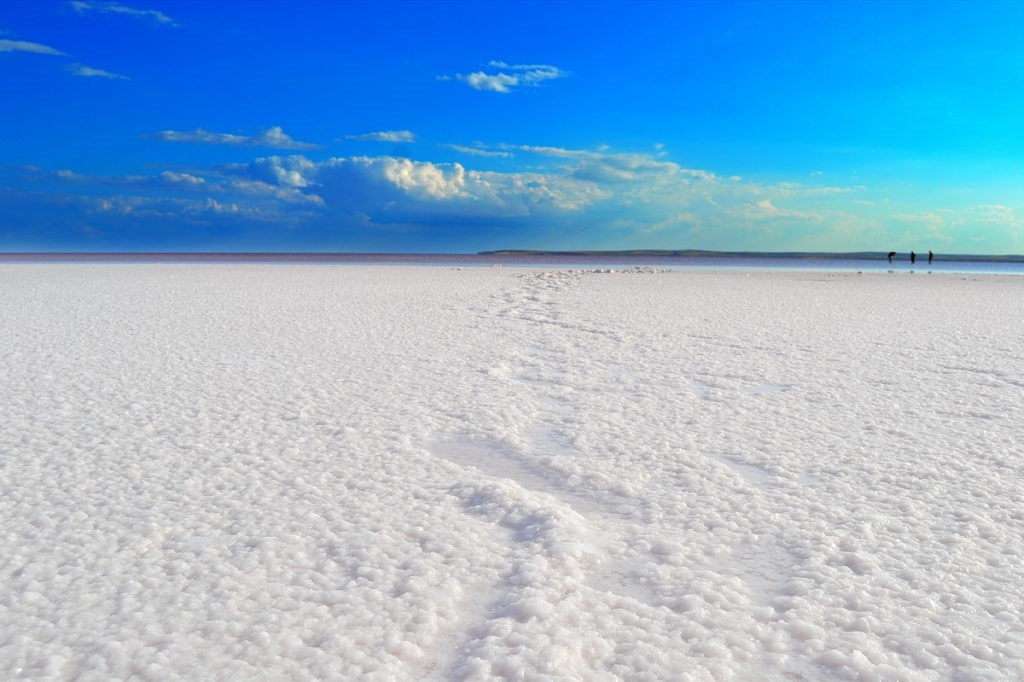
385	136
283	171
272	137
505	78
25	46
637	189
393	188
83	7
88	71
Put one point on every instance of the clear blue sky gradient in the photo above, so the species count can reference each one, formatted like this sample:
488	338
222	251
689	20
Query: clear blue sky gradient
468	126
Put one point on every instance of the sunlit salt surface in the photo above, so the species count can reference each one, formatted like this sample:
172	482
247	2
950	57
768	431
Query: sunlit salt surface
248	472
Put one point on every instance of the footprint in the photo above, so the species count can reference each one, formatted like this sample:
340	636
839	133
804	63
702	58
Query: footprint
500	460
493	459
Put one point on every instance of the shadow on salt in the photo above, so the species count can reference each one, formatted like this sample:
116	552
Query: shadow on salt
766	389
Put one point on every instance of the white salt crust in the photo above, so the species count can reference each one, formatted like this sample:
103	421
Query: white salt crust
216	472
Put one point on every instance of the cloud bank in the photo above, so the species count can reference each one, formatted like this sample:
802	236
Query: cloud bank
592	197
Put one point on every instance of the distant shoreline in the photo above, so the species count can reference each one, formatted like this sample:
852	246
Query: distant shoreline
799	255
364	257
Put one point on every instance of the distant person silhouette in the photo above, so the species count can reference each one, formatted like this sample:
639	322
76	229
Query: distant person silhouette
931	257
892	254
913	257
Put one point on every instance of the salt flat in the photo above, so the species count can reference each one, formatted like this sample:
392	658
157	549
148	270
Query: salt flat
214	472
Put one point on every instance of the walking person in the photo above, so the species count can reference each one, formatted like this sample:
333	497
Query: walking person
913	257
892	254
931	256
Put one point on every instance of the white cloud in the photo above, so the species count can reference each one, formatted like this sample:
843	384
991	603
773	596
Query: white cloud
510	76
272	137
385	136
391	188
605	167
25	46
999	214
499	82
795	189
288	195
765	209
632	194
204	211
480	150
927	217
174	178
88	71
163	180
116	8
287	171
187	183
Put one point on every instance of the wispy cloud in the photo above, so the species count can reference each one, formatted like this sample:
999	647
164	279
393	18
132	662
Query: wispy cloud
385	136
208	210
274	137
611	167
765	210
25	46
176	191
505	78
479	150
83	7
88	71
164	180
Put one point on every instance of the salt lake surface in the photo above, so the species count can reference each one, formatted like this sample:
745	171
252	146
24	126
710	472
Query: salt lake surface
265	472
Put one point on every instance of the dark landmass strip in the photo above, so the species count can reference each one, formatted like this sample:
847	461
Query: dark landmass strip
801	255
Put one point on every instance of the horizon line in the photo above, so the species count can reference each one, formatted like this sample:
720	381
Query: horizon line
77	255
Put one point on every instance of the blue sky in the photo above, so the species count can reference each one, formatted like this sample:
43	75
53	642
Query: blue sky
458	127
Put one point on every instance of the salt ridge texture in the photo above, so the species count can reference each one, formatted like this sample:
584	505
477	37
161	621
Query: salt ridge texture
275	472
